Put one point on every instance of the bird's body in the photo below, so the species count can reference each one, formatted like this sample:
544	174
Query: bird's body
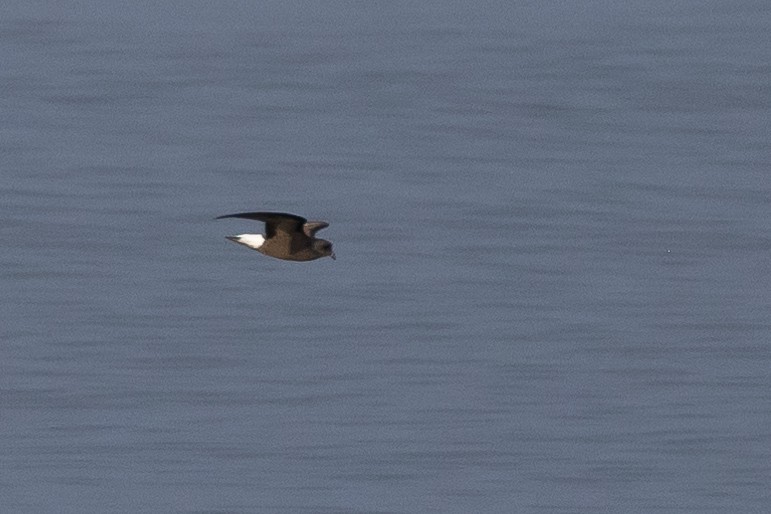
287	236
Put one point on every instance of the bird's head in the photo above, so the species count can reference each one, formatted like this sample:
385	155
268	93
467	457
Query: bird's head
324	247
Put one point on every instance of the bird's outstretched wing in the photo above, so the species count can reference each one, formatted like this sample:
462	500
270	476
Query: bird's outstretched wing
311	227
274	221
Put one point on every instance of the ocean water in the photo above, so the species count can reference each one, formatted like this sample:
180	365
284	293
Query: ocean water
553	232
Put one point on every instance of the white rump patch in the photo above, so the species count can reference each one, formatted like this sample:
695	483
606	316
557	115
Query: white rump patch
251	240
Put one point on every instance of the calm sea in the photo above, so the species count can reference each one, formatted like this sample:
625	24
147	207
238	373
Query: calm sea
552	291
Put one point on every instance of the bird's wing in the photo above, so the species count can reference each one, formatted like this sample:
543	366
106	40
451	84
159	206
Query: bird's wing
311	227
274	221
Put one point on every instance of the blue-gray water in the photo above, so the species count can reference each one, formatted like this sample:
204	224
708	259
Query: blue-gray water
552	290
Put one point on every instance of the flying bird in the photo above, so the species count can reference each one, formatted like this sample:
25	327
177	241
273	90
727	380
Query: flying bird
287	236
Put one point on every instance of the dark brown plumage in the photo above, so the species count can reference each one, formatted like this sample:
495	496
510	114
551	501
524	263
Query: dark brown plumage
287	236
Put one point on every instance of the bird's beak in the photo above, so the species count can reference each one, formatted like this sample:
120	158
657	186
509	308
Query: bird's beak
333	256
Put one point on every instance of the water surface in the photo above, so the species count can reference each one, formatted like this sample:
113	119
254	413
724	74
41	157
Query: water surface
552	284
